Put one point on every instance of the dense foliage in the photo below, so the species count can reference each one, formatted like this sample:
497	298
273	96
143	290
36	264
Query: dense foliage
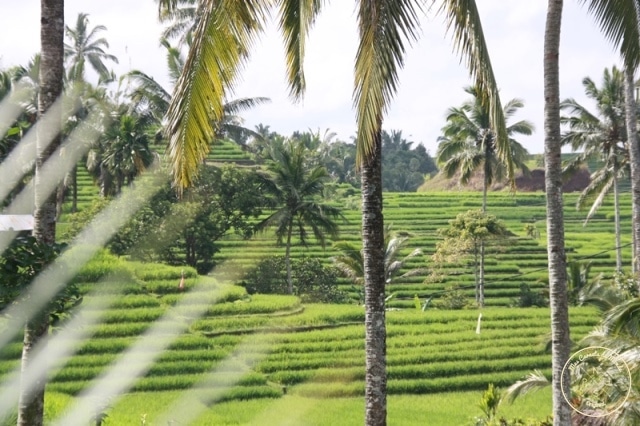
185	231
312	281
20	263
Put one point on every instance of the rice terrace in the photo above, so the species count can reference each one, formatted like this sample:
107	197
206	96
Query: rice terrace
450	249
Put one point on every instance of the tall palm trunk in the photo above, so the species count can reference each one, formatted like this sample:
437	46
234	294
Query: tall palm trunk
373	252
287	256
634	157
561	345
485	189
616	213
31	401
74	184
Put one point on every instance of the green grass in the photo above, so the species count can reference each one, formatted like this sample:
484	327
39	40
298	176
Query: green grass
445	409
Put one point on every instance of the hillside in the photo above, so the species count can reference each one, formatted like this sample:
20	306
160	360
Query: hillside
215	345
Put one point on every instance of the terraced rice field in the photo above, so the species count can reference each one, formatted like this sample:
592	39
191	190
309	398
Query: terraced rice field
233	347
228	346
521	260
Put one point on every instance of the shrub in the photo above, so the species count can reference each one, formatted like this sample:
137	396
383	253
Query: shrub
528	298
453	298
312	281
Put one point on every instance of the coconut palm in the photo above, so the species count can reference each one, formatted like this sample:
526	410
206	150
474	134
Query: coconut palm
221	41
600	135
86	47
558	298
31	401
350	262
619	23
469	143
296	188
126	151
181	17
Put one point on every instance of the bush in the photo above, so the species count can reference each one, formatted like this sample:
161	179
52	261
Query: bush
312	281
529	298
453	299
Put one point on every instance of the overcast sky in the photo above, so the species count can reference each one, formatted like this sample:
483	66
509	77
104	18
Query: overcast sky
432	80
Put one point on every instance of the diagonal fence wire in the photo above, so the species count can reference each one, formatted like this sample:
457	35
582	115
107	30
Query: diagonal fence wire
11	106
138	358
53	279
50	351
53	171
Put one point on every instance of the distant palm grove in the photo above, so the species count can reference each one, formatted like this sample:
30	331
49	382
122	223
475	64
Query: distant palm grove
163	263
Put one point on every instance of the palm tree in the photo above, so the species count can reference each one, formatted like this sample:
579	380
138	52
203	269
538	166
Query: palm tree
350	262
469	143
220	45
600	135
85	47
296	188
619	23
126	151
558	297
31	404
181	17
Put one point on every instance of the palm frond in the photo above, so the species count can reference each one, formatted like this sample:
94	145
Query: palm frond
226	29
384	28
463	19
532	382
296	19
618	21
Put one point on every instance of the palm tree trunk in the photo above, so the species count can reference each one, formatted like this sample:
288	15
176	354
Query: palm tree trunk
616	210
561	345
373	252
74	182
287	257
485	187
476	270
481	277
31	401
634	156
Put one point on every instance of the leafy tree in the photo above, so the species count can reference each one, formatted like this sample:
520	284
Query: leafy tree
403	167
600	135
312	281
20	263
465	235
340	161
221	42
185	231
296	188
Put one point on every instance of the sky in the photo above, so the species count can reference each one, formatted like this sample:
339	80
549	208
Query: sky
431	81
